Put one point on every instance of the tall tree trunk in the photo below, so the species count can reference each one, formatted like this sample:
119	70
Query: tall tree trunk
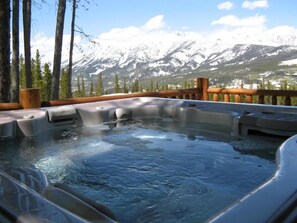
69	93
58	49
15	73
4	50
27	39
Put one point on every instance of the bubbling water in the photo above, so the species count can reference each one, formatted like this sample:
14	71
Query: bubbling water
145	174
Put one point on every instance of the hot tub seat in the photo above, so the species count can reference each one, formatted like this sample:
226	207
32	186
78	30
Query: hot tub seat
284	124
61	195
273	201
19	203
7	127
26	122
94	113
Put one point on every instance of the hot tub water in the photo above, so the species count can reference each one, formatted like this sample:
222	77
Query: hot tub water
144	174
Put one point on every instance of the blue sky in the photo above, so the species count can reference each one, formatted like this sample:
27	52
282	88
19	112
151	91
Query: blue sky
188	15
122	21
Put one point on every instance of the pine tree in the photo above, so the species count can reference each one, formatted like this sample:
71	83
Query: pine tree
63	84
185	84
125	88
284	85
132	87
116	84
192	84
138	86
91	93
135	86
47	79
269	85
32	68
22	73
151	87
83	87
99	87
157	86
77	93
36	71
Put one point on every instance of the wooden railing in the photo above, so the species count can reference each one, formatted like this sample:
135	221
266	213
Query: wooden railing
198	93
29	98
273	97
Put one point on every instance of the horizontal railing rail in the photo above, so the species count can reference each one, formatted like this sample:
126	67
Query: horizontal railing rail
182	94
10	106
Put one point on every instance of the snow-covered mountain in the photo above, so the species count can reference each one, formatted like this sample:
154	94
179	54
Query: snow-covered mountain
182	55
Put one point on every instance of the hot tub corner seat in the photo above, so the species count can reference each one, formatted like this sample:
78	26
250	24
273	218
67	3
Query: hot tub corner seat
7	127
20	123
61	195
75	205
94	204
274	201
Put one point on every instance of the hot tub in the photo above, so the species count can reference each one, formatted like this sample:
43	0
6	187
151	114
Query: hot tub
194	119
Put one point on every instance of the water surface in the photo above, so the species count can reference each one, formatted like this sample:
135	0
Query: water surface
146	173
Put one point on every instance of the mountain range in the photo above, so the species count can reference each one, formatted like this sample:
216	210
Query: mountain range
172	57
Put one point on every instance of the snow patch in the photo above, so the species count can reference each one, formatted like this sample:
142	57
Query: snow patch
289	62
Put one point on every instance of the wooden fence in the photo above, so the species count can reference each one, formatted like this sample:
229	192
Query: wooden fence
274	97
30	98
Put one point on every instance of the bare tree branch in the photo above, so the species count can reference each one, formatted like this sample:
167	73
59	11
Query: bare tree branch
90	38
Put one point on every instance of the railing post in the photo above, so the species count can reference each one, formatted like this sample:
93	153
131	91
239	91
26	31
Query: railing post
287	101
226	98
237	98
249	99
205	86
199	88
202	85
193	96
30	98
273	100
261	99
215	97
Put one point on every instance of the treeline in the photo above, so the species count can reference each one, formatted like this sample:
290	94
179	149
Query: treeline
22	71
97	87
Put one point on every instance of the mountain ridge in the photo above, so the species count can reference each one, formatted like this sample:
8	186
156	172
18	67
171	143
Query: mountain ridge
178	55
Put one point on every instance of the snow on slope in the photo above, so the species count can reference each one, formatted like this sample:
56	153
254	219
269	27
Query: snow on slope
289	62
155	49
120	48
